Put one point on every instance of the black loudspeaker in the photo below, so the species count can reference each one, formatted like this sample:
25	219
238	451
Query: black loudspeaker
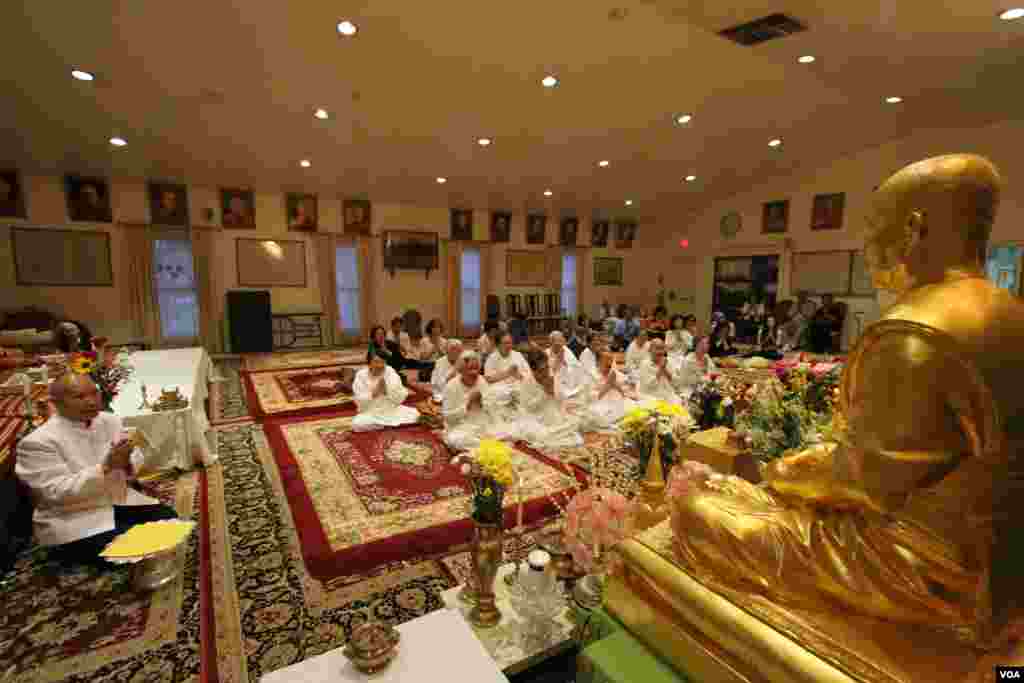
249	321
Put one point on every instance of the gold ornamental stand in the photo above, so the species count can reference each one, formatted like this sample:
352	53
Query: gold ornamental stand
650	507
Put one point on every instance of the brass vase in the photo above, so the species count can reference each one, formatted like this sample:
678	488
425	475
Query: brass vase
650	508
487	552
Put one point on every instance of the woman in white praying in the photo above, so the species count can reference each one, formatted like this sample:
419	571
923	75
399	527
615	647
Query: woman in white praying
657	379
610	398
638	353
506	370
679	340
445	369
565	366
544	421
379	394
698	367
467	408
596	343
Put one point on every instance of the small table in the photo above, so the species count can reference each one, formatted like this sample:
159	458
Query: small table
438	646
504	642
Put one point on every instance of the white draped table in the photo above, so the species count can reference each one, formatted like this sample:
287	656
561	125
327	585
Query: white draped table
176	438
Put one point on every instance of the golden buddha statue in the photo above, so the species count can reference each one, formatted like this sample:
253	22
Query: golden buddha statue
915	517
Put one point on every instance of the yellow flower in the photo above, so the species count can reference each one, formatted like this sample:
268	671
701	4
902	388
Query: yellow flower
81	365
488	491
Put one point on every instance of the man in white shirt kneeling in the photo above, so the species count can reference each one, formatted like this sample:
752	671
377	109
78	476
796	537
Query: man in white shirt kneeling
78	466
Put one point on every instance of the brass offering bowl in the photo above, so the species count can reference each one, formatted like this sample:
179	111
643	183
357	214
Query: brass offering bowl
155	571
372	647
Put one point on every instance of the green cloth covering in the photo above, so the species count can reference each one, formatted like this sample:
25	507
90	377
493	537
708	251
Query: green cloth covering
594	625
621	658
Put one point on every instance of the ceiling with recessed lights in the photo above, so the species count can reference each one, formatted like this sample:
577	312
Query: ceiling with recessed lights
226	93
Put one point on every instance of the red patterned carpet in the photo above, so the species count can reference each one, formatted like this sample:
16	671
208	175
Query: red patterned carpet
360	500
306	391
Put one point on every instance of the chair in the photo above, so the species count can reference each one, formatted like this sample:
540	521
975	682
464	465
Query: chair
513	305
532	305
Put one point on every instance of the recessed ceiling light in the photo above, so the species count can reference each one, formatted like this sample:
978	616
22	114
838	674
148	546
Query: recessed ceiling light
629	202
1011	14
684	119
690	178
321	114
441	181
548	193
604	163
483	142
347	28
305	163
775	143
894	100
549	81
82	75
118	142
806	59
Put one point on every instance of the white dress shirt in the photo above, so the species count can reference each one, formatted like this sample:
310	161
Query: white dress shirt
62	464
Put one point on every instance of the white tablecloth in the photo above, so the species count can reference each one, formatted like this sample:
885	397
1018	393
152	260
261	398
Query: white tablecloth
437	647
176	438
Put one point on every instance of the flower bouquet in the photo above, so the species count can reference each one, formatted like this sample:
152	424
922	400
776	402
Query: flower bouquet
666	422
490	473
711	406
596	520
108	369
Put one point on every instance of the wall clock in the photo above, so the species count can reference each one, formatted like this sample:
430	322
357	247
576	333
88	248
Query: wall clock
731	224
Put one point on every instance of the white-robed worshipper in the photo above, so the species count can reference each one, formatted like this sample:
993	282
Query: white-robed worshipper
657	378
467	408
698	367
433	343
678	340
596	343
544	420
399	336
445	369
566	367
610	397
638	353
78	466
379	394
506	370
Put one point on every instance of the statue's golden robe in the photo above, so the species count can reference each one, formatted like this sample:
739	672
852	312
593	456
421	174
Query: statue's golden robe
915	518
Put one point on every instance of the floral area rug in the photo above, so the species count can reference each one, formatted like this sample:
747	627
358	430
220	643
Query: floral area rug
281	614
364	499
228	401
80	623
255	362
14	406
300	392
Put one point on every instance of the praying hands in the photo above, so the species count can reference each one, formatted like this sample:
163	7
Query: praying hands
380	389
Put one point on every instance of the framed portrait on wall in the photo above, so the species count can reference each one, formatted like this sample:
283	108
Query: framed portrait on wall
827	211
12	200
607	271
462	225
775	216
625	233
302	212
237	208
88	199
501	226
599	233
358	216
536	227
168	204
567	231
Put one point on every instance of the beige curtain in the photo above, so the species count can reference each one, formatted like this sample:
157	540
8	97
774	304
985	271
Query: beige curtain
367	290
137	269
454	287
325	265
203	259
485	280
581	257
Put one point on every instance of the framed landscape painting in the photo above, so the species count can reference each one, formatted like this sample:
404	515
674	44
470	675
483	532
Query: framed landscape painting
607	271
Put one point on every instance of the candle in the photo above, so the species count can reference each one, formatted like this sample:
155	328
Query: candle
519	495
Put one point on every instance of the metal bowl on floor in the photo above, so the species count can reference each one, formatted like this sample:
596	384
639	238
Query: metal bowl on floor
372	647
155	572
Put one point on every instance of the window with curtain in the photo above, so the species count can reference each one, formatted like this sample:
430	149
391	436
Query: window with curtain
174	284
346	278
569	284
469	283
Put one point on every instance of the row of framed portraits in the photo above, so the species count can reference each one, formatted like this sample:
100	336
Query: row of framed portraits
88	200
826	213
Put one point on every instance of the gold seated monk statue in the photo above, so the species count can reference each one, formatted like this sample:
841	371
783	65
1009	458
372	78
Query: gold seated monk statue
914	522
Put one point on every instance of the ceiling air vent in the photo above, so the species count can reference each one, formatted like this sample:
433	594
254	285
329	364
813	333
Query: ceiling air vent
762	30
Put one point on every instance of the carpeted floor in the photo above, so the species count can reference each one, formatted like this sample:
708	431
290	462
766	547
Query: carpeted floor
254	362
305	391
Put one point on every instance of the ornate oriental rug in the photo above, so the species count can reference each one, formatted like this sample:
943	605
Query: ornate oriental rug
87	624
14	406
254	362
228	397
300	392
364	499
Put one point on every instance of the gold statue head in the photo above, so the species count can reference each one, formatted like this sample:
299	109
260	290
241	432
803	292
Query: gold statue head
930	219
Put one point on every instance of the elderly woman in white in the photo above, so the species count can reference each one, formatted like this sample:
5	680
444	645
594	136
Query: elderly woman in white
506	370
657	378
566	367
467	409
637	354
610	397
379	395
596	343
544	420
698	367
445	369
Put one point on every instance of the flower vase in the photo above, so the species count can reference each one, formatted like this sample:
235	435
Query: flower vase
487	552
650	507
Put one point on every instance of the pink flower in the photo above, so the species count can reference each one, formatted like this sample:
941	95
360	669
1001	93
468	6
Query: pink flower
687	478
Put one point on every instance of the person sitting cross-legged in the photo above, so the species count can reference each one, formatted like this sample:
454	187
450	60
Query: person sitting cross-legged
78	466
609	397
565	366
446	369
657	379
544	420
379	394
506	370
468	410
